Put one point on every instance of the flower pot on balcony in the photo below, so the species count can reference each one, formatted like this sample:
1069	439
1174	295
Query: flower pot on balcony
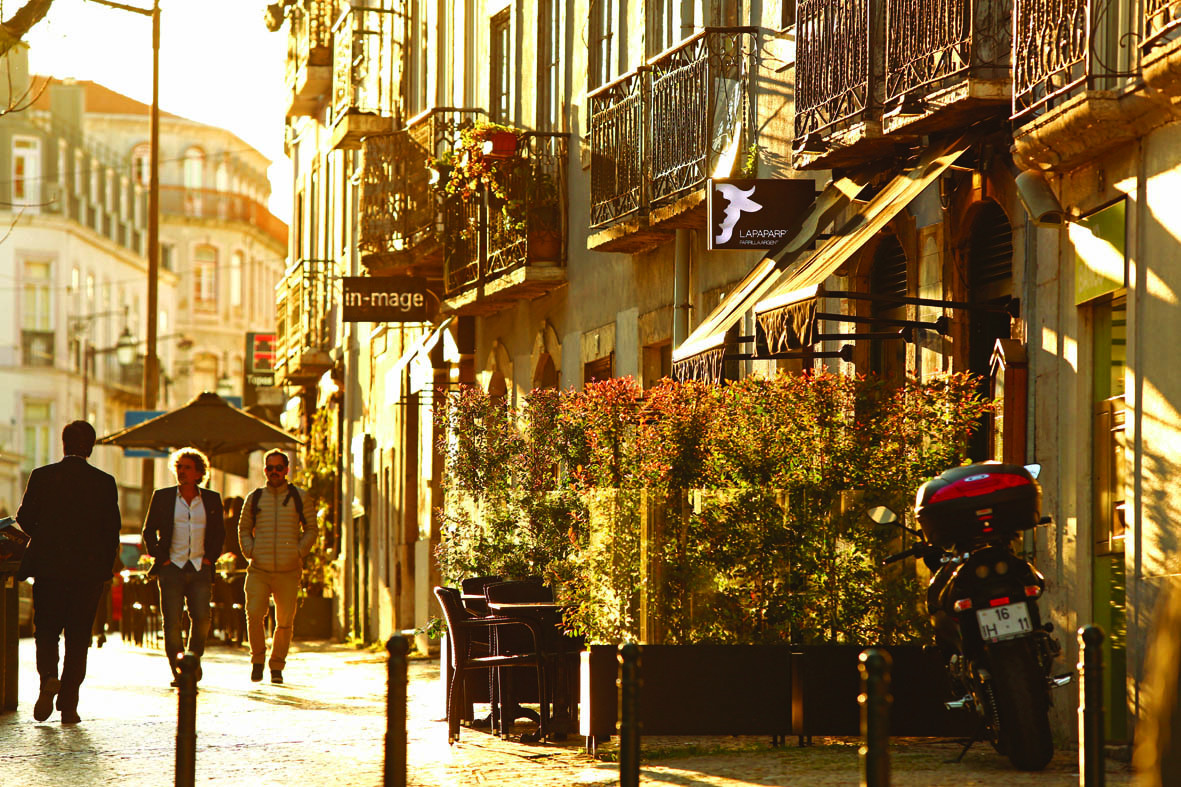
500	144
545	245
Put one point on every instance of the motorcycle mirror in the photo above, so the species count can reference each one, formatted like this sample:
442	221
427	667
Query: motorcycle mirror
1034	469
882	515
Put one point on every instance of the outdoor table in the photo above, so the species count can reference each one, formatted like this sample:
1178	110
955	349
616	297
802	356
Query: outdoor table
548	614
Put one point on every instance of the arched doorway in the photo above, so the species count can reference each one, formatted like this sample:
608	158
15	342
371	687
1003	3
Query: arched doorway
546	374
990	283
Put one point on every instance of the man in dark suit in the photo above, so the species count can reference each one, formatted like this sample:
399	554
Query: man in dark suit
184	533
71	511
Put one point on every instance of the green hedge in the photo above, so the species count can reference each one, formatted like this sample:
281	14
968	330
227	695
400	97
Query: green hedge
707	514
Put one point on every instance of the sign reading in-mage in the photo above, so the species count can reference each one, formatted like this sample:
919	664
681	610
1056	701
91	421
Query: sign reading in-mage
386	299
753	213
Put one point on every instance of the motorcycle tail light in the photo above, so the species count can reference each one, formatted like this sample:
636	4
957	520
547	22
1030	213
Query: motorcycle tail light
962	604
1032	591
999	602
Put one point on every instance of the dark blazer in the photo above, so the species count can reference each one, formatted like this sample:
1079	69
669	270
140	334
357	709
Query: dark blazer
161	518
71	511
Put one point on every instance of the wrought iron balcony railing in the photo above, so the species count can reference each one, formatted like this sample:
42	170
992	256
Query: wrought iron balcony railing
399	207
656	132
1162	19
701	96
932	42
305	313
618	180
363	40
485	240
223	206
1062	46
310	39
834	72
37	348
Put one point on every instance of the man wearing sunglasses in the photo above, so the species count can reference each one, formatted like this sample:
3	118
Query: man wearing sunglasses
275	535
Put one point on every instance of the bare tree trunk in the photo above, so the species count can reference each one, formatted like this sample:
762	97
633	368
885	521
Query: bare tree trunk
15	27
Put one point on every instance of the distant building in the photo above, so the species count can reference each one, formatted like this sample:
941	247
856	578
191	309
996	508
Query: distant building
73	259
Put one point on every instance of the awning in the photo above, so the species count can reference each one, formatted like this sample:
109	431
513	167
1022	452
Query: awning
787	317
700	355
420	346
793	273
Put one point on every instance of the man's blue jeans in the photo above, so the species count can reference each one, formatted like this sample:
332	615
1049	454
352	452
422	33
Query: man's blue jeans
180	588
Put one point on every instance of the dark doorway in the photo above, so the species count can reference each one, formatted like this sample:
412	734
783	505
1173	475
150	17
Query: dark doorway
990	282
887	276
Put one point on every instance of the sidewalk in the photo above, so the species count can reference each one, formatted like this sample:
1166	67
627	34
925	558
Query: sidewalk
326	726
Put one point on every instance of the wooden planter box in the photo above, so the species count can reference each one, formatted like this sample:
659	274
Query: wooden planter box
692	690
773	690
313	619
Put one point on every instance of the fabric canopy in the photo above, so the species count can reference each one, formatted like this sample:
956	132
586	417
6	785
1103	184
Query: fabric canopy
787	317
700	355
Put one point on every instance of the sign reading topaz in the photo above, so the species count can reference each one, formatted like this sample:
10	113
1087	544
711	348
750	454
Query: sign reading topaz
750	213
386	299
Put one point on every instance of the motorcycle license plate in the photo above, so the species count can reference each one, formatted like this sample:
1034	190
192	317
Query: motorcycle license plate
998	623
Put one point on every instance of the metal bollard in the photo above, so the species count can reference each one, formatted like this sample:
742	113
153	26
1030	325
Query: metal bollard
629	715
186	722
875	701
395	713
1090	708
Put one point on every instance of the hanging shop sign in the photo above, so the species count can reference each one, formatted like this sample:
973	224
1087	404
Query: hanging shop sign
749	213
386	299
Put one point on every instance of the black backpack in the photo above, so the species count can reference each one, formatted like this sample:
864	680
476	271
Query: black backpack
292	493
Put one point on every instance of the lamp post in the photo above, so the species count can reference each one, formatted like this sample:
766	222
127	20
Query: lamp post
124	351
151	361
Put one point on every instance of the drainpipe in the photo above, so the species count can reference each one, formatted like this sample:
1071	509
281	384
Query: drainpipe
681	289
350	618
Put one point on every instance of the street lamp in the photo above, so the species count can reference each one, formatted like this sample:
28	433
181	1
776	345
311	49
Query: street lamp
124	351
151	361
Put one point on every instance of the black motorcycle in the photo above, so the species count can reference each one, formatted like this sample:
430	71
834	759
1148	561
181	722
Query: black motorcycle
982	600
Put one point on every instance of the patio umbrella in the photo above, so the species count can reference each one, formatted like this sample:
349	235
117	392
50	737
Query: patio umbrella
208	423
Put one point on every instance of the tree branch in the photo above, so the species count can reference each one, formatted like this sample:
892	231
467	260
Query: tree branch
12	30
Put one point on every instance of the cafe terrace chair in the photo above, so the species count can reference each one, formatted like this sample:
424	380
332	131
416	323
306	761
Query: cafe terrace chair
470	655
474	586
524	591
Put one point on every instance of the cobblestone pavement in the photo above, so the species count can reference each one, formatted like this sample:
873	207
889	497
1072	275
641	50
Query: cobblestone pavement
326	725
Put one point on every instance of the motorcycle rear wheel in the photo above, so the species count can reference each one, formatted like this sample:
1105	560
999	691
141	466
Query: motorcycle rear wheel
1022	705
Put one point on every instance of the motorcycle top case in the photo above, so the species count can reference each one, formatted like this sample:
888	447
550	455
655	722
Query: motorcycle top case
959	505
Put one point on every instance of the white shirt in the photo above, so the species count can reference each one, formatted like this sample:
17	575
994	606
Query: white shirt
188	532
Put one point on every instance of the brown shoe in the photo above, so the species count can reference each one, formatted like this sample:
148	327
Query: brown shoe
43	708
70	716
276	676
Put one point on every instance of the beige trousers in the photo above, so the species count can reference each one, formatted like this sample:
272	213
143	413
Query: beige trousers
261	586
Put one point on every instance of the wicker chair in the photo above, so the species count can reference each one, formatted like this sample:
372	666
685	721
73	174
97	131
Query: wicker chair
470	656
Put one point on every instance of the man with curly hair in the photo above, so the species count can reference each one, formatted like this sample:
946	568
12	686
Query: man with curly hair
184	533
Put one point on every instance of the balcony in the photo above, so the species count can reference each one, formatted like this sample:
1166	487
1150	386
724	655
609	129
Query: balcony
1072	63
178	201
400	209
309	55
502	249
37	348
838	84
305	314
1161	48
947	63
658	133
361	100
